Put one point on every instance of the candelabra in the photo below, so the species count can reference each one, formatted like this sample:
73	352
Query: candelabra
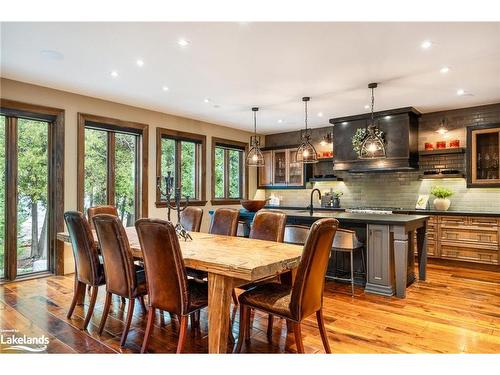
166	193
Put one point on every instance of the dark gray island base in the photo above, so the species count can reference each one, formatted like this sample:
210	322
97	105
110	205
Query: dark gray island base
389	245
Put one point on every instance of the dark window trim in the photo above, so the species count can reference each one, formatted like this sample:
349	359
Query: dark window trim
228	143
55	116
110	124
187	137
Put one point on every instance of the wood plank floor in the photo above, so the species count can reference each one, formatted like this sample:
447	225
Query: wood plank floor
457	310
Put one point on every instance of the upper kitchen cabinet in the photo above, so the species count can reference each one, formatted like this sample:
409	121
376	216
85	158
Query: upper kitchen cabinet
483	168
281	171
400	133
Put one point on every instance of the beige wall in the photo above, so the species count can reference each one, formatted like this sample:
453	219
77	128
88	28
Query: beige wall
73	103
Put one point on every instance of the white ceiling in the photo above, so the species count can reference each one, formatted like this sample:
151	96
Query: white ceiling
270	65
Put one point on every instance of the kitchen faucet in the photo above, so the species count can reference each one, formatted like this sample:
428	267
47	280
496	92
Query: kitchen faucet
311	206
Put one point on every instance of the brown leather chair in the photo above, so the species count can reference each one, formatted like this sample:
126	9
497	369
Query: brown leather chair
191	218
305	297
97	210
123	277
88	269
169	288
296	234
225	222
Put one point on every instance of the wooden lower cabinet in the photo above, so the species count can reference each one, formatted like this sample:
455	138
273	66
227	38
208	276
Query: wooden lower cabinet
467	238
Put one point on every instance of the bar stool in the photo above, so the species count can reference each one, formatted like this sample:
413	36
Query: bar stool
346	241
296	234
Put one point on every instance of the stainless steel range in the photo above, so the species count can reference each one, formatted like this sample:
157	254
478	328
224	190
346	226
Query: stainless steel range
373	210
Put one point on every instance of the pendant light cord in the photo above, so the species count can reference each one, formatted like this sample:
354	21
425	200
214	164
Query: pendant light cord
306	113
255	123
373	104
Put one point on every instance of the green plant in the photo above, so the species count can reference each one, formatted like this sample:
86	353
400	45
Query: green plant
441	192
337	194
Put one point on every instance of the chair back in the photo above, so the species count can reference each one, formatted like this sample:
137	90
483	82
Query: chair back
307	292
191	218
225	222
346	239
118	262
87	267
165	271
296	234
97	210
268	225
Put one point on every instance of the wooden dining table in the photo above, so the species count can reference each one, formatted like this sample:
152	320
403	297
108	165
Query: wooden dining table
229	262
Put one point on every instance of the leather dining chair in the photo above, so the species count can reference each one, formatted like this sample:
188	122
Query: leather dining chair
225	222
169	287
191	218
97	210
88	269
123	277
295	303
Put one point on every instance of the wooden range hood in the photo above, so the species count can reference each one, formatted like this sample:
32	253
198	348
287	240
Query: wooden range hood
400	127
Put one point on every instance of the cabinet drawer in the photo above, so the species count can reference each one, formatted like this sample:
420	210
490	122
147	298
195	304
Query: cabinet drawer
453	220
432	220
473	255
483	221
469	235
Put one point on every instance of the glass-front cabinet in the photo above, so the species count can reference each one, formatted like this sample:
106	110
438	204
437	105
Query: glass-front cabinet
483	156
281	170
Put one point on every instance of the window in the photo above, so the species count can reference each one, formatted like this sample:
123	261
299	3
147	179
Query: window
112	166
31	200
182	156
229	174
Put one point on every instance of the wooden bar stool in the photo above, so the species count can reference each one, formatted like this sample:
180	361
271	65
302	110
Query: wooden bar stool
346	241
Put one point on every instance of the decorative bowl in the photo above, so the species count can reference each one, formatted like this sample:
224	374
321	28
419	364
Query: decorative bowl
253	205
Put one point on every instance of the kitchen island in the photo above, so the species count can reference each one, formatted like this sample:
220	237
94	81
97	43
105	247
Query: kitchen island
389	245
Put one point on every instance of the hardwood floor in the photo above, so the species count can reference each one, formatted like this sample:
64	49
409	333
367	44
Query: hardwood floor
457	310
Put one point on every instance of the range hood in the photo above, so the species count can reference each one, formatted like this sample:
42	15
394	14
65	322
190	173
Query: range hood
400	127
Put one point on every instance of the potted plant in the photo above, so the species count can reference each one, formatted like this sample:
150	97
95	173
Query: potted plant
441	203
336	199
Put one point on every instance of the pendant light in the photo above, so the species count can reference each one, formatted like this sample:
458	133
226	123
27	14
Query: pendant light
255	157
306	153
443	129
372	146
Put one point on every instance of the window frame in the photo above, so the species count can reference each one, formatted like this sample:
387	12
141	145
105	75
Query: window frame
179	136
112	125
55	117
228	143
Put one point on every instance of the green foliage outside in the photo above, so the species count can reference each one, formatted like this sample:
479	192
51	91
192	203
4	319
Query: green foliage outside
234	173
95	186
188	165
219	172
234	157
441	192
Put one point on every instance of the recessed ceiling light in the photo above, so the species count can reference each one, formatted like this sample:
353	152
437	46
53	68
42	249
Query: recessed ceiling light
367	106
164	88
51	54
280	121
320	114
140	62
426	44
460	92
444	69
114	73
183	42
206	100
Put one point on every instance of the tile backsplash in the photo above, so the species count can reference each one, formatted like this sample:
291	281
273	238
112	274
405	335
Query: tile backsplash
395	189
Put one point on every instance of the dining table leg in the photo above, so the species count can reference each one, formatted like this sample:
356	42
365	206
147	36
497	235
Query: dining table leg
220	290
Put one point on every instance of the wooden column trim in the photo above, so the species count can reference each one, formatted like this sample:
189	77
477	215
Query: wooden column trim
11	200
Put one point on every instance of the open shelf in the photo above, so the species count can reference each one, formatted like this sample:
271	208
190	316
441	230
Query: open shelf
441	176
443	151
325	179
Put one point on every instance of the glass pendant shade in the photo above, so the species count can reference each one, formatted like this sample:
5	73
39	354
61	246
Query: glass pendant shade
254	156
306	153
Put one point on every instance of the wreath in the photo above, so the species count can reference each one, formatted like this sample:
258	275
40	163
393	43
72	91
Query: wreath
360	135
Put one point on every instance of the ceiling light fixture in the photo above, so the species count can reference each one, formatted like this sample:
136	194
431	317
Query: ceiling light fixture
206	100
114	74
426	44
367	106
372	146
140	63
327	139
320	114
164	88
444	70
460	92
280	121
255	157
306	153
183	42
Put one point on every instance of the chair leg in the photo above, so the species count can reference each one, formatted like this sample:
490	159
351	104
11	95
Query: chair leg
322	330
352	273
235	298
130	312
297	332
88	289
93	298
149	328
270	321
182	333
105	312
78	286
244	316
248	323
143	305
